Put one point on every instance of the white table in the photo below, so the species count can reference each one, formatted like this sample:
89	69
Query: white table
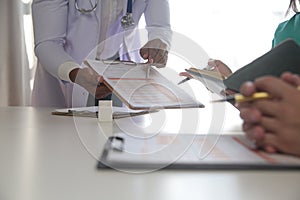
46	157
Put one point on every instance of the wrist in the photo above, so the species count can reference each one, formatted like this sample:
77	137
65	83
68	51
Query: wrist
65	69
73	74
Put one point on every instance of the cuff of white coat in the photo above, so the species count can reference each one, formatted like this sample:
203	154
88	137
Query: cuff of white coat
165	36
65	69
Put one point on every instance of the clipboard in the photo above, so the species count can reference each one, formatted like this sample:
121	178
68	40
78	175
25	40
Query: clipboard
92	111
282	58
130	82
189	151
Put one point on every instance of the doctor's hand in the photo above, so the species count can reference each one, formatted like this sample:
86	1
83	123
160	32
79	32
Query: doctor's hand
155	51
273	124
91	81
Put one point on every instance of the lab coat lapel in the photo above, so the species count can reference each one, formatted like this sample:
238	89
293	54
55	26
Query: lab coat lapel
98	11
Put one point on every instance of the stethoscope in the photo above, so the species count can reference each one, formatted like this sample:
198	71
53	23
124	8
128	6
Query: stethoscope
126	21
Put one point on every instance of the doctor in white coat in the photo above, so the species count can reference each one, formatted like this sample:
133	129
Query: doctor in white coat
66	31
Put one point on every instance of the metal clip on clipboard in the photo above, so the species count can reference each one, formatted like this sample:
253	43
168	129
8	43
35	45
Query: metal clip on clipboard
115	143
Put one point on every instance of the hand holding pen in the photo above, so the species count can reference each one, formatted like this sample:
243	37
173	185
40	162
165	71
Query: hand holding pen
239	98
212	65
188	77
155	51
273	124
148	71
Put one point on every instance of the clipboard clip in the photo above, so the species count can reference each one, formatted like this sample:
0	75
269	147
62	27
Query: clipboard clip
116	143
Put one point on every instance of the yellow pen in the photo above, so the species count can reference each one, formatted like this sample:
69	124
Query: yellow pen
238	98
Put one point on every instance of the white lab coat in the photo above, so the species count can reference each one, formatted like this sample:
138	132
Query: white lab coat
63	34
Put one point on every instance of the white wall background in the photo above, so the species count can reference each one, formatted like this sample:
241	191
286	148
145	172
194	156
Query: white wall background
234	31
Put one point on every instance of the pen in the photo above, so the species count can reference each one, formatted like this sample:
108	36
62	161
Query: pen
184	80
211	66
148	71
238	98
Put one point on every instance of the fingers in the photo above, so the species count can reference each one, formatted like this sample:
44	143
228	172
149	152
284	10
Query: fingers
259	128
270	143
211	64
275	143
248	89
277	89
265	134
151	55
155	51
252	123
251	115
220	67
185	74
268	83
255	124
254	132
268	108
100	79
270	149
92	82
158	57
264	119
144	52
161	59
102	91
262	139
274	86
260	110
270	124
290	78
87	76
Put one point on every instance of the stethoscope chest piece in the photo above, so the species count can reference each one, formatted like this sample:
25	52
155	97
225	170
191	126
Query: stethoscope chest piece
127	21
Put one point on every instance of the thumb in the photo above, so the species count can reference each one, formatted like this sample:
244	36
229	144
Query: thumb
144	52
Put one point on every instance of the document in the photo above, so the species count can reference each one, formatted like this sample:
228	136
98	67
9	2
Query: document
212	80
282	58
187	151
141	86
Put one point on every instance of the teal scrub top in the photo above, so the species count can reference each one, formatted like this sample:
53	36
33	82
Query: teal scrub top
288	29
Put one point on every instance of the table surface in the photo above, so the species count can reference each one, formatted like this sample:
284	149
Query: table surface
54	157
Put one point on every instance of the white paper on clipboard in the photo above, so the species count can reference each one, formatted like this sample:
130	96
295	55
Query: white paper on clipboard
129	82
